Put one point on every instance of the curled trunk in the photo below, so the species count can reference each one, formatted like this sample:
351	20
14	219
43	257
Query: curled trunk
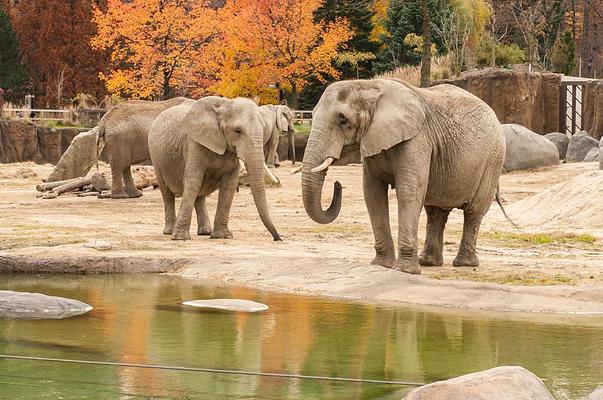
255	170
312	183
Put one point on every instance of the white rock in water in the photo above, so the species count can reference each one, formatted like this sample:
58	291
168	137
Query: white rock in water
24	305
228	305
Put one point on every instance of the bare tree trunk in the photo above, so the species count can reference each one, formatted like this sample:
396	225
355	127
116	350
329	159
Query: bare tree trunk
426	60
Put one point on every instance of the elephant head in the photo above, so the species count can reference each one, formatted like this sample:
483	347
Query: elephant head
284	118
377	114
236	126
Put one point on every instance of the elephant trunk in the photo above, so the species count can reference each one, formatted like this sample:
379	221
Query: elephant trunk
291	144
312	182
254	161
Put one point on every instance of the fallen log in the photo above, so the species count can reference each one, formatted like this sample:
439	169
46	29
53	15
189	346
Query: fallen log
88	194
43	187
105	194
75	184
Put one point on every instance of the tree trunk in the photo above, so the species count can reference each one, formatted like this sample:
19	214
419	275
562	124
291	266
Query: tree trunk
426	60
293	98
585	50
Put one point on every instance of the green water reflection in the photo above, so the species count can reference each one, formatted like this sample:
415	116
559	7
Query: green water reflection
137	319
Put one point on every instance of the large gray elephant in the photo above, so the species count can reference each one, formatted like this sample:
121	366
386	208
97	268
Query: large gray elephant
124	131
441	148
277	119
195	148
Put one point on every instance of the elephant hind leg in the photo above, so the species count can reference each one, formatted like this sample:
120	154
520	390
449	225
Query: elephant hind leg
467	256
203	224
169	204
432	255
117	181
130	186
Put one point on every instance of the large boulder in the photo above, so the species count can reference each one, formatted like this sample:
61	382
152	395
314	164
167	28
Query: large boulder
18	141
526	149
596	395
561	141
579	146
501	383
592	155
24	305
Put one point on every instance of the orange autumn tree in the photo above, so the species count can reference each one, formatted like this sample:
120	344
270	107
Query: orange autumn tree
155	45
269	42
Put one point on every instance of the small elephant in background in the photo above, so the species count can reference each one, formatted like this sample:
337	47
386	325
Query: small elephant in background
277	119
439	148
195	148
124	131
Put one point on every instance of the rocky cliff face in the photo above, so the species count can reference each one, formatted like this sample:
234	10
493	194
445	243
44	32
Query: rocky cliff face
21	141
517	97
593	109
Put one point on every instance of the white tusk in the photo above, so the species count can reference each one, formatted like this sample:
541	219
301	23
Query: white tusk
242	165
297	170
270	174
324	165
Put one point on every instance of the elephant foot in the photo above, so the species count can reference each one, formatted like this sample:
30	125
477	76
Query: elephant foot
168	230
181	235
408	266
384	261
204	230
466	260
119	194
431	260
135	193
276	164
221	234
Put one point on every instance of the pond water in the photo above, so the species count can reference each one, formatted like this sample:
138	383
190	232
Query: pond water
139	319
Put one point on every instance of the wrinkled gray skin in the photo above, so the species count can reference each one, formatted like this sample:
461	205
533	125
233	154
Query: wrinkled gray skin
277	119
195	148
124	131
441	148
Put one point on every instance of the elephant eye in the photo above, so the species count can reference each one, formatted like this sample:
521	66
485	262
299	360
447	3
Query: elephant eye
237	131
342	120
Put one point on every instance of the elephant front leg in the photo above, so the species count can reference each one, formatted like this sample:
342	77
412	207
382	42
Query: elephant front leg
467	256
375	197
130	186
432	254
203	224
411	186
228	187
192	185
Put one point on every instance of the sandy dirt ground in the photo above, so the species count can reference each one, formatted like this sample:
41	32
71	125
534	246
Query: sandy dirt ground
543	265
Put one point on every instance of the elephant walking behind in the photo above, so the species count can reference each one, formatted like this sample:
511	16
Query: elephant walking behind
195	148
440	148
124	131
277	119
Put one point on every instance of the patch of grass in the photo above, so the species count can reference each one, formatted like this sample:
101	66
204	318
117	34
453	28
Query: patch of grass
60	124
304	129
510	279
542	238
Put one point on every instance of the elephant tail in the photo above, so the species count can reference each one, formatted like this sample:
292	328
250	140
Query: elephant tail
100	142
502	208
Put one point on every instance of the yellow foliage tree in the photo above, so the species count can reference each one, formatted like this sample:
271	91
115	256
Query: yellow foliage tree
156	45
276	43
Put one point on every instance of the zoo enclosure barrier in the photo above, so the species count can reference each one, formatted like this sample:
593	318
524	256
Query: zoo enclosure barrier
571	104
82	116
90	117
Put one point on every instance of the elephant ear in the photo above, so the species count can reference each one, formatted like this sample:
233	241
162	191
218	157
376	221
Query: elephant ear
202	125
281	119
399	115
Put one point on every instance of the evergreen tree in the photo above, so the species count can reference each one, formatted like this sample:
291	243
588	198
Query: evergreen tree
405	17
359	13
13	76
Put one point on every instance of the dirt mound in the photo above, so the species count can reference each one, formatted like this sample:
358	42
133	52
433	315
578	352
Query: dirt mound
576	203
